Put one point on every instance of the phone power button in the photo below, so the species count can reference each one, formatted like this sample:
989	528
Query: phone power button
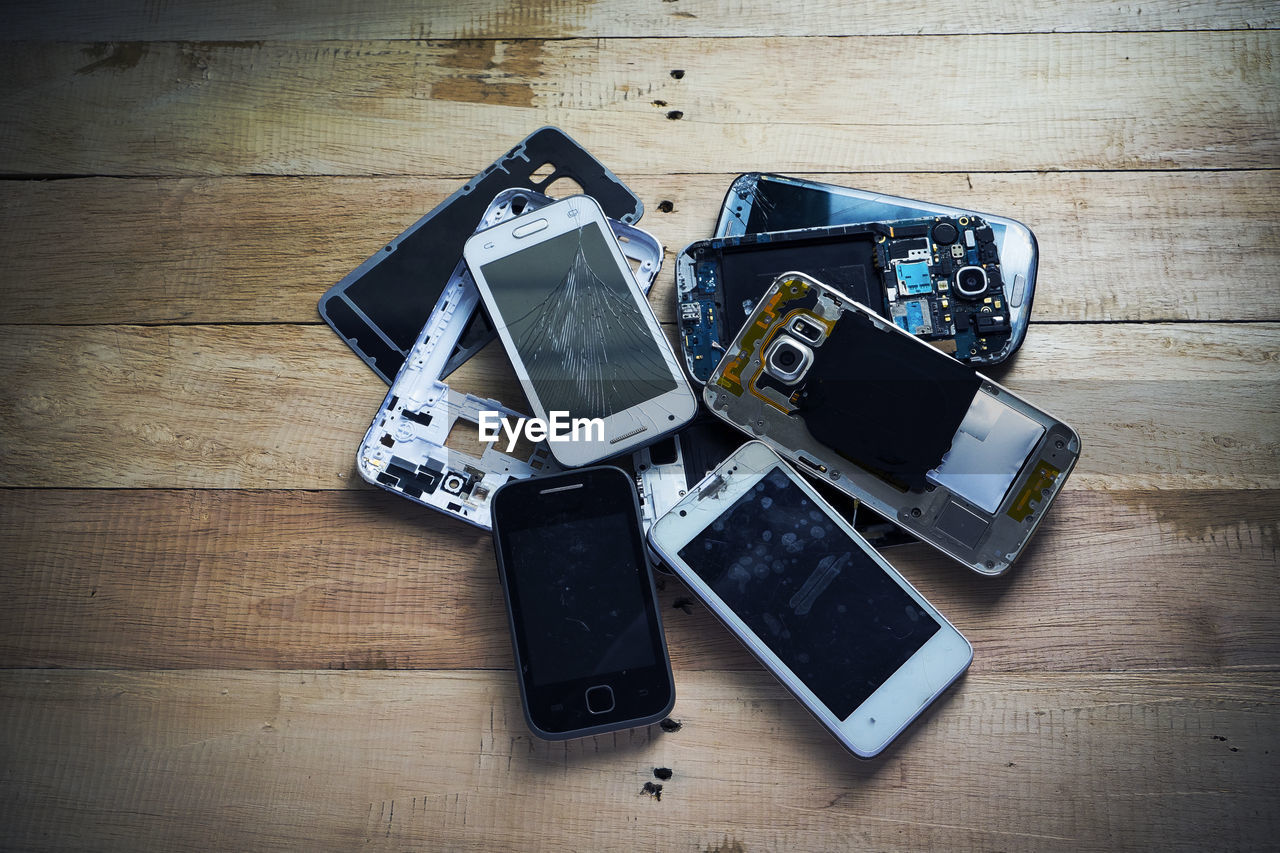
600	699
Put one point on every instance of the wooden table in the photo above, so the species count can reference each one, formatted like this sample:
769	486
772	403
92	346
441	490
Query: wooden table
215	636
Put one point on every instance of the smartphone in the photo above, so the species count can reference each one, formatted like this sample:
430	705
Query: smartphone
847	635
580	334
757	203
589	648
951	457
418	443
937	278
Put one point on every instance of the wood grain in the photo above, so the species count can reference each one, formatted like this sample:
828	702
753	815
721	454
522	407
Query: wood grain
1046	102
368	580
1144	246
188	555
307	760
1157	406
219	20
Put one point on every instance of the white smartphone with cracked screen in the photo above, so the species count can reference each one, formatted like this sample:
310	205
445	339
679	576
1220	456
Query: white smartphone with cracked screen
847	635
580	334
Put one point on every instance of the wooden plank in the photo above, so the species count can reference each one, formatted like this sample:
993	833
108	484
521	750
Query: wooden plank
1045	102
1158	406
313	760
211	20
1129	246
368	580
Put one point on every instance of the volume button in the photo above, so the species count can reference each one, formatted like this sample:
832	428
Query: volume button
1019	290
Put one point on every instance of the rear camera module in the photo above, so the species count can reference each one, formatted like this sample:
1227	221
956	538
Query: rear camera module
788	359
971	281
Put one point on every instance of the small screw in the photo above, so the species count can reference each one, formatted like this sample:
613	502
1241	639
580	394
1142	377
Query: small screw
915	512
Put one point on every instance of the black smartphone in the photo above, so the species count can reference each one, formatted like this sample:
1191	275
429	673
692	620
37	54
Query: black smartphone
585	627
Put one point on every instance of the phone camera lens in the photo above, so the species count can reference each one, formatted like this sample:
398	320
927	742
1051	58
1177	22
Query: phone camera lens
971	281
788	359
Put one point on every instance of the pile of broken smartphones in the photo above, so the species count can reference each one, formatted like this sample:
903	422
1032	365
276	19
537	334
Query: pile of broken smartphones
893	423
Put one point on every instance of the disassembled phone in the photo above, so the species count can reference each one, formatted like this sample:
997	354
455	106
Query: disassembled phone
380	307
847	635
936	278
950	456
756	203
585	627
406	449
580	333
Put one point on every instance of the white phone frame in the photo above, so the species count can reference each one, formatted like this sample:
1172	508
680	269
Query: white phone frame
623	431
895	703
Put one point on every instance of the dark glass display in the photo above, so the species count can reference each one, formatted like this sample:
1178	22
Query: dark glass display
580	593
820	603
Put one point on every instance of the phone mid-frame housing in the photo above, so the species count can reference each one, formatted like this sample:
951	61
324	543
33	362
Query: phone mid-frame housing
406	448
950	456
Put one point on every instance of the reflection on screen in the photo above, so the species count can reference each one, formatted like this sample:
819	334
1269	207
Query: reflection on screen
810	592
575	321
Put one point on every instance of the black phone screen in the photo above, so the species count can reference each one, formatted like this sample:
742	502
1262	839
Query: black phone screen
578	586
576	575
572	313
822	604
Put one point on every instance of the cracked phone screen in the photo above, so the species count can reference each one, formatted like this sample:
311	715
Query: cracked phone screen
809	591
572	313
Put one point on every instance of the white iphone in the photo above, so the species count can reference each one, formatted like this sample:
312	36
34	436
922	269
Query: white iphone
844	632
599	373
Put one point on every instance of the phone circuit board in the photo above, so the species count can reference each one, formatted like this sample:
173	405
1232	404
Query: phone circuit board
937	278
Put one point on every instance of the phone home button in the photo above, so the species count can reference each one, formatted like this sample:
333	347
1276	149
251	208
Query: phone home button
600	699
